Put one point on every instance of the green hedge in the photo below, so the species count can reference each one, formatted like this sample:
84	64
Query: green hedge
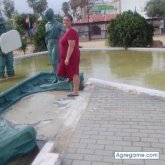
130	29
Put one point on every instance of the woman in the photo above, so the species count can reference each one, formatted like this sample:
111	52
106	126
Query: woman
69	55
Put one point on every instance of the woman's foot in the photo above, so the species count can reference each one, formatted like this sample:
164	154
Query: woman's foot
72	94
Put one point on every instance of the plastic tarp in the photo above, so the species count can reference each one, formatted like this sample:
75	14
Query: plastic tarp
15	141
38	83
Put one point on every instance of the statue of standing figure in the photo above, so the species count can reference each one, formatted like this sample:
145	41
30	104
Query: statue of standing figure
54	30
6	60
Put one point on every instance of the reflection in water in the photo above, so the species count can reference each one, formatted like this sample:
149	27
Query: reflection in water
95	64
146	69
25	68
130	64
158	62
129	67
156	74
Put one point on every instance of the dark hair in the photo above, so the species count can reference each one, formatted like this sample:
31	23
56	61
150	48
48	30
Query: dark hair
69	16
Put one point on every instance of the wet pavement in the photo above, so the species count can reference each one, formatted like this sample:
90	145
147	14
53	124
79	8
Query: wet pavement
90	128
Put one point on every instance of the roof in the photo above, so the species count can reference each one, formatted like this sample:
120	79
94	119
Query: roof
96	18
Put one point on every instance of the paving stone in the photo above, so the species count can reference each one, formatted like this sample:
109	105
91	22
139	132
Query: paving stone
66	162
78	162
117	121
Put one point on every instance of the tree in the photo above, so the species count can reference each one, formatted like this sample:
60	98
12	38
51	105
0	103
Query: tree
38	6
9	8
1	2
31	3
155	8
74	4
39	37
130	29
22	27
81	3
65	7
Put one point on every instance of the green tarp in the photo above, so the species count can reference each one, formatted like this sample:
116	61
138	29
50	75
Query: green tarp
15	141
38	83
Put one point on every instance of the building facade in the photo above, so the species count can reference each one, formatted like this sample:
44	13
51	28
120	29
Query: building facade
92	19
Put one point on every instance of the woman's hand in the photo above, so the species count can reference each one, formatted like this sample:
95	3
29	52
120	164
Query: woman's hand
66	61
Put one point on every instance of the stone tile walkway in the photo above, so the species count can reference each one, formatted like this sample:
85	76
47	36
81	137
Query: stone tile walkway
117	121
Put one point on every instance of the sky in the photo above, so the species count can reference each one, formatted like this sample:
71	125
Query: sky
22	6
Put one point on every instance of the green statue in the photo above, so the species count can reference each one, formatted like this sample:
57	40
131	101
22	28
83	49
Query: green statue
54	30
6	60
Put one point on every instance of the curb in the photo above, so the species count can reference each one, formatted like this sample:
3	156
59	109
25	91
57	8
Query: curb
125	87
46	156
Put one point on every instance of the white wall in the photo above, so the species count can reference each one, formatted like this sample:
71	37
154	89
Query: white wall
134	4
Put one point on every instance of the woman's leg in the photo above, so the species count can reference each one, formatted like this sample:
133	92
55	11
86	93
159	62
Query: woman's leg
76	83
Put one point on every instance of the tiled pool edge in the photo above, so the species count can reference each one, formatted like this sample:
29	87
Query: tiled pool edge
94	49
30	55
125	87
121	48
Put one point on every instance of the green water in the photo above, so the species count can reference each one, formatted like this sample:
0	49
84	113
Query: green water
145	69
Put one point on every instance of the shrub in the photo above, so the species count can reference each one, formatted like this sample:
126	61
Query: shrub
39	37
130	29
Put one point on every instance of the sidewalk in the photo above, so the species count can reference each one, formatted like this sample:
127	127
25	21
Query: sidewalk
102	43
117	121
94	44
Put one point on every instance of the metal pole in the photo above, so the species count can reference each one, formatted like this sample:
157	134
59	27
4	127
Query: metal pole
89	34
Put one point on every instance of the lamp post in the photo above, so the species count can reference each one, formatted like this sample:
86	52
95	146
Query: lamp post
89	34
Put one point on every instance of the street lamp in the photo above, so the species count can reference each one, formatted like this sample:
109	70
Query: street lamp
89	34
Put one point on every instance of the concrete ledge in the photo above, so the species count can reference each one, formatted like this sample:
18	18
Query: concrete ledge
30	55
121	48
101	49
125	87
148	49
48	147
96	49
46	157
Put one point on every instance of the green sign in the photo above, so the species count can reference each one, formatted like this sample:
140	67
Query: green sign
102	7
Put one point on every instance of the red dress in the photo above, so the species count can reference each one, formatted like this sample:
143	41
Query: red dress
73	67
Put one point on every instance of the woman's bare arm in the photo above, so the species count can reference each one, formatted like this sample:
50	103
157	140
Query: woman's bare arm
70	50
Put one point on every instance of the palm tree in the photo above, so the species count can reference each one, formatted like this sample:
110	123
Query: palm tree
81	3
31	4
38	6
65	7
9	8
75	3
